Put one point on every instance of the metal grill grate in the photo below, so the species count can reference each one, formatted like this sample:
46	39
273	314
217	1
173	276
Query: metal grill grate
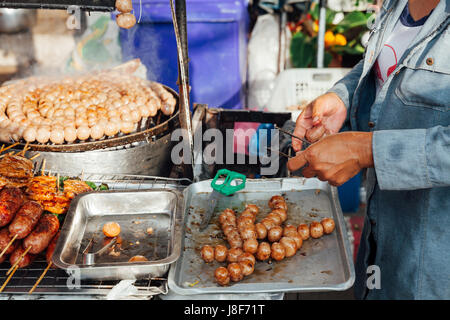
56	280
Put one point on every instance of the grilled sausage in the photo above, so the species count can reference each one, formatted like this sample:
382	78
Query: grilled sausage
5	238
51	248
11	199
40	237
26	260
26	219
2	258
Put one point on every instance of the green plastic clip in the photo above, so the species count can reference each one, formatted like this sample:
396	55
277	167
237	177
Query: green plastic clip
234	181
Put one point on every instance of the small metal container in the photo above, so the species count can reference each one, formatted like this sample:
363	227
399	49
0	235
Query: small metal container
135	211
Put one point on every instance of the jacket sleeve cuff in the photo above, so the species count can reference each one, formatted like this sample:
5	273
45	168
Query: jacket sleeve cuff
400	159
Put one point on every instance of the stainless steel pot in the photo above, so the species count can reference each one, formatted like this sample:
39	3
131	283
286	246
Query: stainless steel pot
16	20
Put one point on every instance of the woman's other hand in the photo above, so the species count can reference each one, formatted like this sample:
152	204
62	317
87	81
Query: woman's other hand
323	116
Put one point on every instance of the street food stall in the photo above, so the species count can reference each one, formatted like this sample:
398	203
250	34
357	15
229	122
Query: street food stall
92	205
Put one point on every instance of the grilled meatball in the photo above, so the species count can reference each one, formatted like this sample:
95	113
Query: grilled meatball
220	253
207	253
222	276
278	252
251	246
303	231
233	254
275	234
235	272
289	245
328	225
316	230
263	251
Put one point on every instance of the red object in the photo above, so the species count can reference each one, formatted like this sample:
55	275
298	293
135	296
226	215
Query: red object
357	224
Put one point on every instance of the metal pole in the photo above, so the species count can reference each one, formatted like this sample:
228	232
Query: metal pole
180	28
321	34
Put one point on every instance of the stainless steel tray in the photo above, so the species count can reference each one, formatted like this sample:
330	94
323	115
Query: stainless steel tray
323	264
135	211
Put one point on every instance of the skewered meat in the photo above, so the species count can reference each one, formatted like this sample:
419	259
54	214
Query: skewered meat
51	248
11	200
43	190
5	238
25	261
40	237
15	171
26	219
73	187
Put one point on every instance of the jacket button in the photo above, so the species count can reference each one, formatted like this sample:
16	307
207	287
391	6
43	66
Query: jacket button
373	222
430	61
371	124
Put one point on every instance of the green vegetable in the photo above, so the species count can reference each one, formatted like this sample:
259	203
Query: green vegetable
92	185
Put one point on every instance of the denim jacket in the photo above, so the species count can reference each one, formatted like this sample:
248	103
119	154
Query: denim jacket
408	213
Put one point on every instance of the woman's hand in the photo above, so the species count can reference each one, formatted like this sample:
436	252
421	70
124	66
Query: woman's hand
336	158
323	116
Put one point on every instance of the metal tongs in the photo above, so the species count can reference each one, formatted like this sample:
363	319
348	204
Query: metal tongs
89	258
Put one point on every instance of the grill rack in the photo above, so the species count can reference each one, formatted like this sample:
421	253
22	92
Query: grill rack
55	281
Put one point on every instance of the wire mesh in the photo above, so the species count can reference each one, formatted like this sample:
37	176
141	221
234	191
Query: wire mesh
57	281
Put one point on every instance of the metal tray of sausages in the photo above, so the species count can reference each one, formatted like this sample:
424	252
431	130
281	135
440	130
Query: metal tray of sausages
323	264
135	211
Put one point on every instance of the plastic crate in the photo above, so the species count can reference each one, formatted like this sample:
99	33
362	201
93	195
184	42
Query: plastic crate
296	87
